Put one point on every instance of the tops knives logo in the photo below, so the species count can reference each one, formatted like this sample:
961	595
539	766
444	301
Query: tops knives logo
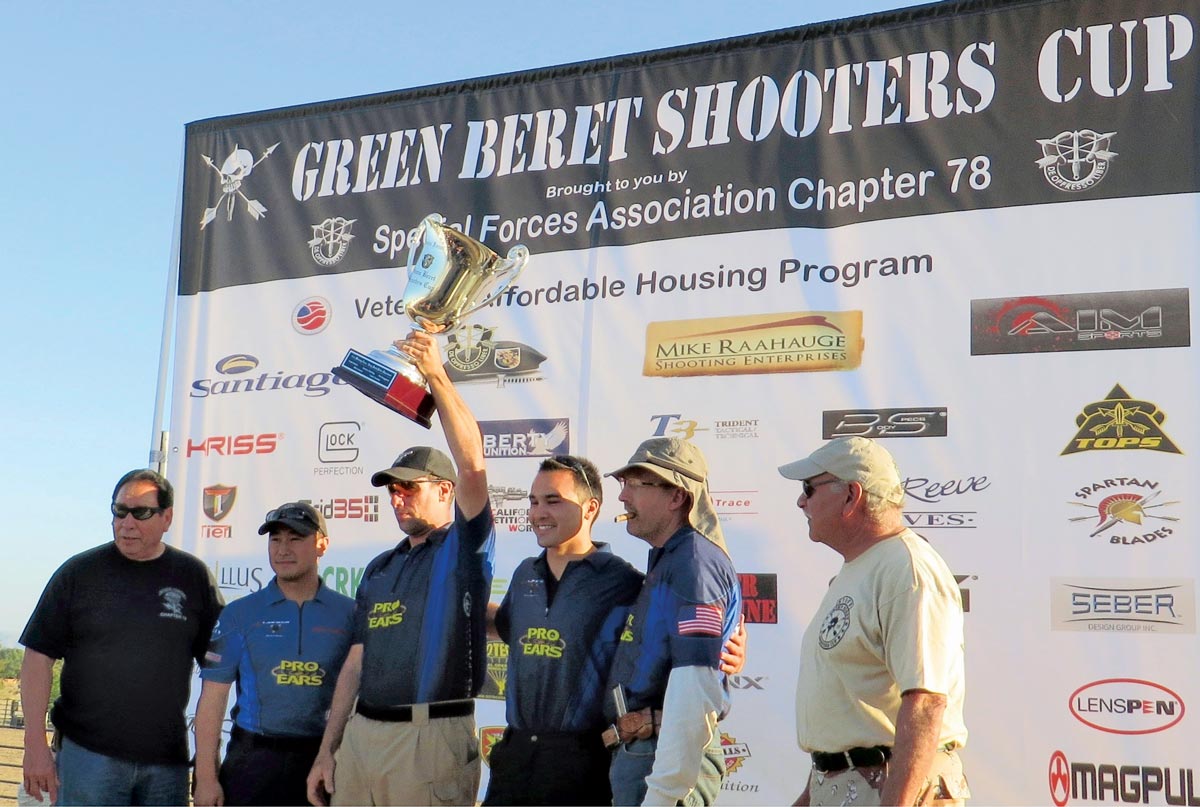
927	421
1096	321
1120	423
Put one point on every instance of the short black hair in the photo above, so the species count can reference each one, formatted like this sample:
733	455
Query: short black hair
587	475
166	493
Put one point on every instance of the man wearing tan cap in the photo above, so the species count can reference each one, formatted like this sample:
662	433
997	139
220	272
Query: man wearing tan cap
879	700
666	689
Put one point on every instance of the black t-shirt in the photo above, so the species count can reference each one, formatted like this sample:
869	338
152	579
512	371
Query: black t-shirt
128	632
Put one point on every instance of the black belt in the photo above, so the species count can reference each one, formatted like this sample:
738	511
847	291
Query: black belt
404	714
853	758
275	742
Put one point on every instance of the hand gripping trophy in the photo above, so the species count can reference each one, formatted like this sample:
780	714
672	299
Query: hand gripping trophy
450	276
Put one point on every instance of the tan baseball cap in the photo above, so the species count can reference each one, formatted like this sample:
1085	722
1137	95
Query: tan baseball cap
852	459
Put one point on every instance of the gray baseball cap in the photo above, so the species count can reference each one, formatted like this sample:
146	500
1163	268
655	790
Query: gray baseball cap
415	463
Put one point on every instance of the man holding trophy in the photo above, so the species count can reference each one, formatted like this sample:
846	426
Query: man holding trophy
418	654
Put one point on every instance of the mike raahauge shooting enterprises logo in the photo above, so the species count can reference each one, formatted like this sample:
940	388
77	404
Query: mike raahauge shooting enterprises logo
798	342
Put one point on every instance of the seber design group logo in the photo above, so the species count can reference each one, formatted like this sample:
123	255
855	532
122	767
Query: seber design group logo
759	343
312	315
1076	161
760	597
1099	321
1120	423
927	421
1126	706
535	437
473	354
1125	510
1120	782
1146	605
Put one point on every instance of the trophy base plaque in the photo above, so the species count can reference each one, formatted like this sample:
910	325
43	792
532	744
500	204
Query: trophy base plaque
388	383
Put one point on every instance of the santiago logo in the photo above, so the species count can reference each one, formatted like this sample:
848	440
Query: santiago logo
1076	161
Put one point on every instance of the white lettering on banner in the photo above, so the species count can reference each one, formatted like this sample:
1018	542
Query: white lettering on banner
1167	39
401	166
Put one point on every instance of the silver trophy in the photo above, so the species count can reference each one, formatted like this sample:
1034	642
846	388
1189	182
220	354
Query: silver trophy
450	275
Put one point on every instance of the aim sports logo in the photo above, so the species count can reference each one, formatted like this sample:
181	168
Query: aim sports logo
311	315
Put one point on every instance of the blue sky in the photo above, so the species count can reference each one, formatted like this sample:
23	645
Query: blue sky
94	100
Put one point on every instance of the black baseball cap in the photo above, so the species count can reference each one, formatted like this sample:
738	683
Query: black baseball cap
415	463
300	517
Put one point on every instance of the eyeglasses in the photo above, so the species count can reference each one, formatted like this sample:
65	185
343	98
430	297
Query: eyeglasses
139	513
408	485
626	482
809	488
578	468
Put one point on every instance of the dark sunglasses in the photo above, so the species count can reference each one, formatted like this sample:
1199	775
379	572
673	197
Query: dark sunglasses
408	485
809	488
578	468
291	514
139	513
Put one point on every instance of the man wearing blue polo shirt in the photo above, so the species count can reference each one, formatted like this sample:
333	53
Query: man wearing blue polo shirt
419	652
668	690
284	646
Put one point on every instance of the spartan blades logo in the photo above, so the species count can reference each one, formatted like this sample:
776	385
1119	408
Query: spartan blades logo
235	445
1120	423
928	421
1125	511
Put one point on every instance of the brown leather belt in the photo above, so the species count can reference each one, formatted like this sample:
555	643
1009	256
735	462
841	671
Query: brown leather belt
639	725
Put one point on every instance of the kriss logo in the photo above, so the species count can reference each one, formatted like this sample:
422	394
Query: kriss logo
537	437
232	174
1098	321
356	508
1120	423
929	421
386	614
1126	706
299	674
312	315
313	385
497	671
760	343
1076	161
545	642
735	753
1158	605
760	597
234	445
473	354
331	238
217	502
488	737
1120	782
1120	506
676	425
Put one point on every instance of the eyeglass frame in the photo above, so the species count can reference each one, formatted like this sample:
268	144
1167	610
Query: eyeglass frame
409	486
138	513
578	469
808	488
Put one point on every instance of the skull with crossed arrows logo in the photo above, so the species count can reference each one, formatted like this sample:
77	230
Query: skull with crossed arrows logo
233	172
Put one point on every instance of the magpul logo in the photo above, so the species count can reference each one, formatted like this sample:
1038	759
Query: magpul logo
1120	423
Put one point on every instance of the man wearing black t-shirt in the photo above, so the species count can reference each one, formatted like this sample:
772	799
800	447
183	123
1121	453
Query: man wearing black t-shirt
128	618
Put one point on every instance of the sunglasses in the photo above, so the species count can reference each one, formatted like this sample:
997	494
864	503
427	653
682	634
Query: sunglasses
626	482
409	485
579	469
291	514
809	488
138	513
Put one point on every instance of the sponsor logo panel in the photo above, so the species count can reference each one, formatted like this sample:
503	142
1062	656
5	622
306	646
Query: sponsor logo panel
927	508
1141	605
235	368
760	597
1122	782
330	240
217	502
533	437
234	445
474	354
312	315
1126	706
353	508
1125	511
928	421
338	443
677	425
1120	423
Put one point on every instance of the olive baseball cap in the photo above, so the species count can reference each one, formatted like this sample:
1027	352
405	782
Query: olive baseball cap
415	463
852	459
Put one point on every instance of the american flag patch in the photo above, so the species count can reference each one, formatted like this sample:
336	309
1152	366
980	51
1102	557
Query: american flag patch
701	620
215	658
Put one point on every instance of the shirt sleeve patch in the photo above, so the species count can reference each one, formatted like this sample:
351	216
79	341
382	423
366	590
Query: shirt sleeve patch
701	620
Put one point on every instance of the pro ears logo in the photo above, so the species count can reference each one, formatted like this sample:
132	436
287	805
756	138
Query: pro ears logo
1120	422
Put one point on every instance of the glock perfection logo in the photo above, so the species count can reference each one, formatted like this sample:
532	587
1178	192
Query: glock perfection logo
474	354
1120	782
760	597
1125	510
1143	605
1076	161
331	238
678	425
536	437
928	421
338	448
1120	423
1098	321
807	341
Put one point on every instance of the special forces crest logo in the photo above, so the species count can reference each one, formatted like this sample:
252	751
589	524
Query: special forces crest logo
1125	509
1120	422
233	172
836	623
1076	161
331	238
217	500
474	355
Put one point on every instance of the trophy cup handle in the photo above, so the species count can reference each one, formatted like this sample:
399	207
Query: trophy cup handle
509	270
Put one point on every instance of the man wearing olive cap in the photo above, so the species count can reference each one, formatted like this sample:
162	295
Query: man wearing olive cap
283	646
879	700
419	652
667	692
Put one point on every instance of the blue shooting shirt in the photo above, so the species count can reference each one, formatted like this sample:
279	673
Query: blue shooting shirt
684	614
421	616
561	647
285	657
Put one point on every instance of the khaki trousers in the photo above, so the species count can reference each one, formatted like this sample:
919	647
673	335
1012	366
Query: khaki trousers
944	787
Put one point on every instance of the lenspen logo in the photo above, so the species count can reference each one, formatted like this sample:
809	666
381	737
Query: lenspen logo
1126	706
313	385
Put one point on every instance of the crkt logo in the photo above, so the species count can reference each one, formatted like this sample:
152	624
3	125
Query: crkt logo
1076	161
233	173
1120	423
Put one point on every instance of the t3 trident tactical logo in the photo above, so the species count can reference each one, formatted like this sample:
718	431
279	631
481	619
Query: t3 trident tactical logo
233	172
473	355
1076	161
331	238
1120	423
